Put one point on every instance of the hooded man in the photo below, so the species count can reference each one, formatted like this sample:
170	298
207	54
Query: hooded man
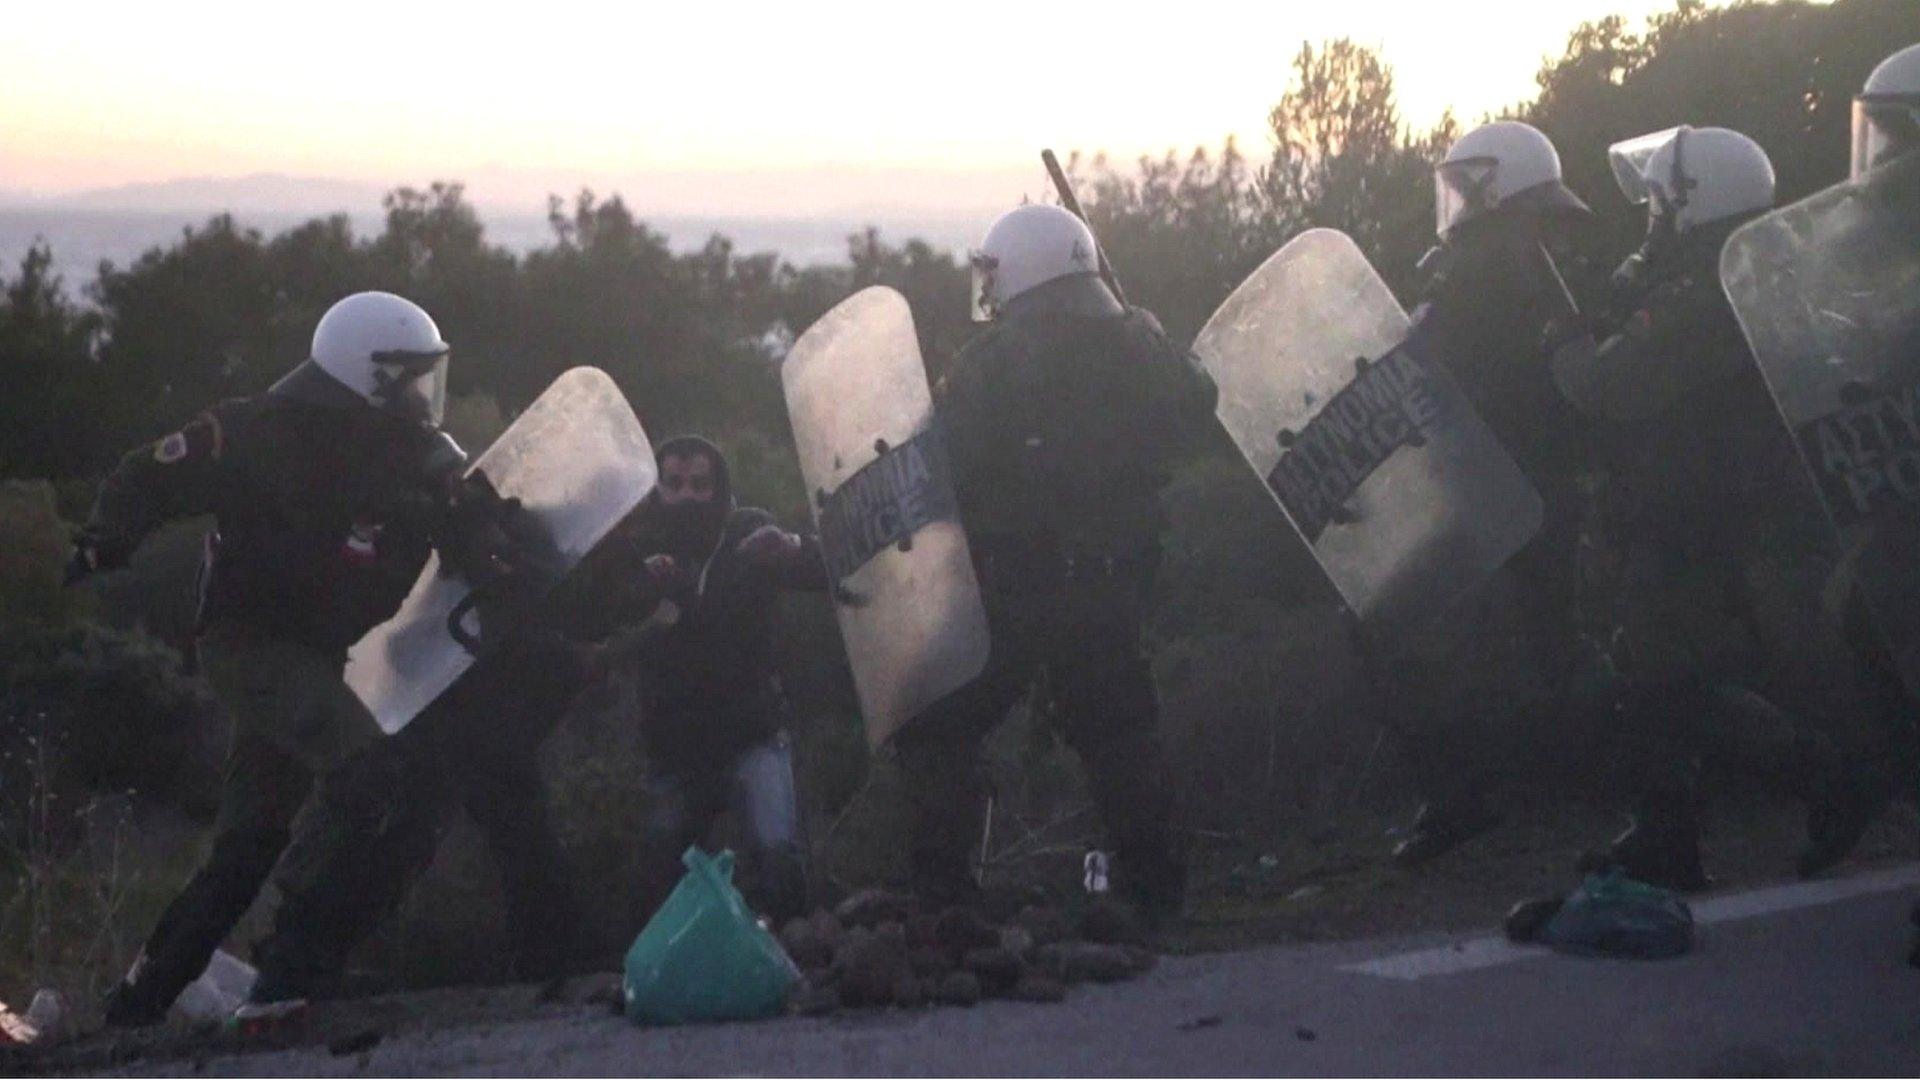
713	712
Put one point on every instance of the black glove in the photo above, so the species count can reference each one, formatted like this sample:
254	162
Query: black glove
473	536
91	554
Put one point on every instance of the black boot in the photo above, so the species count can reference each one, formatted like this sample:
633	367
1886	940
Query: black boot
1437	830
134	1002
1659	848
1838	812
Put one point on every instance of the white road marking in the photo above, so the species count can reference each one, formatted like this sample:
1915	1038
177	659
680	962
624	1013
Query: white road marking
1472	954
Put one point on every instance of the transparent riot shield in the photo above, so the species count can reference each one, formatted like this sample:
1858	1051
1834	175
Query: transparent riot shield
1828	292
578	461
1405	496
903	583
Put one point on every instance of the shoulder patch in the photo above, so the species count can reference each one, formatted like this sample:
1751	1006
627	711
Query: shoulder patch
170	449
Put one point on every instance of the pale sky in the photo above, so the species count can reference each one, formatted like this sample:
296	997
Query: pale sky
720	107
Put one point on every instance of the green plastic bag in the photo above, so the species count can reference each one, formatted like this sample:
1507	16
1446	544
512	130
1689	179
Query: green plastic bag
1611	914
703	956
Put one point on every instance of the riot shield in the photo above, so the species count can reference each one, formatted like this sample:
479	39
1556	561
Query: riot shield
1405	496
1828	292
578	461
903	583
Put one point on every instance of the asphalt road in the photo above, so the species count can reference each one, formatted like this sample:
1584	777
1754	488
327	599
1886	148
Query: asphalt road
1802	979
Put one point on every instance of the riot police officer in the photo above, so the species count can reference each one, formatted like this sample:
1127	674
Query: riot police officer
326	490
1699	496
1062	421
1470	689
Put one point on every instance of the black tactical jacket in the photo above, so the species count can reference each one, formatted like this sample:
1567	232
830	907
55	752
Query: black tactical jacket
1062	429
324	513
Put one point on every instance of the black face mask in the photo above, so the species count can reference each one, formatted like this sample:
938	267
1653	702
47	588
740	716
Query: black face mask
690	528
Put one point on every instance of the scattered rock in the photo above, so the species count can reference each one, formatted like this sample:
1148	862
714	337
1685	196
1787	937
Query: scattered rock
870	907
877	948
1107	921
1048	960
997	968
1045	925
802	940
1143	958
357	1043
1089	961
595	989
929	961
1002	903
921	929
869	966
811	1000
830	929
962	929
910	992
1305	1034
958	988
893	933
1034	986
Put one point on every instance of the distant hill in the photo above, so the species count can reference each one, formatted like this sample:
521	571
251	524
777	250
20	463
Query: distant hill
274	193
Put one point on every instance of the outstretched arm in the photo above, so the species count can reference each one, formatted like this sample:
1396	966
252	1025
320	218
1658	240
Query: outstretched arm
792	560
176	476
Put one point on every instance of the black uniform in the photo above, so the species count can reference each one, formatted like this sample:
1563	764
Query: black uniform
1062	426
376	830
326	511
1467	690
1702	557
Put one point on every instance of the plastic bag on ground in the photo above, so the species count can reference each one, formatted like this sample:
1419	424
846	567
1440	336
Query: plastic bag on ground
1611	914
704	956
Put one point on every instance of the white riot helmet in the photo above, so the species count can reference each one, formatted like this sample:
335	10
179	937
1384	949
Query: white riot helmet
1691	177
387	350
1886	114
1028	247
1502	165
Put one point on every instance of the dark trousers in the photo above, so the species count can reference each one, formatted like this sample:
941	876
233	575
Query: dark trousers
376	829
1100	688
1473	694
294	720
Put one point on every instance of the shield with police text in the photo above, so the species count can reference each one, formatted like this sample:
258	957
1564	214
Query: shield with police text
902	578
1828	292
1405	496
578	461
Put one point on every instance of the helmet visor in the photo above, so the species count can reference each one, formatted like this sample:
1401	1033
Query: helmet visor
1629	159
1883	126
1462	191
984	302
411	385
